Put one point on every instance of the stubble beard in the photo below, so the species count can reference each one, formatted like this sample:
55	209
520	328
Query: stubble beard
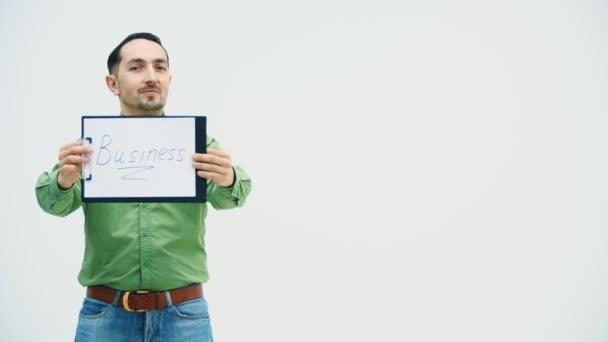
146	106
150	106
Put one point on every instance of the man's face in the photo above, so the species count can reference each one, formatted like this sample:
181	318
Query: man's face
141	79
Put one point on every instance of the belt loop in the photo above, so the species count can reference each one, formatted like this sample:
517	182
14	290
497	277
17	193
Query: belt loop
168	296
116	297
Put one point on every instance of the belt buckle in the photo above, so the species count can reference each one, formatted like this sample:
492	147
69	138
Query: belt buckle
125	301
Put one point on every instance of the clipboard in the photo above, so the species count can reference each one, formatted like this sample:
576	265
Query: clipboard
143	158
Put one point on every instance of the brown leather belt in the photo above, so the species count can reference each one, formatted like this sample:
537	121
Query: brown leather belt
141	300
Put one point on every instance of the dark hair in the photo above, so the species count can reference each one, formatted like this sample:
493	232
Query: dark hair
114	58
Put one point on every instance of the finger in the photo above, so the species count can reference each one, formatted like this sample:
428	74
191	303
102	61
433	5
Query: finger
209	158
211	168
198	157
75	150
210	175
70	168
219	153
68	145
74	160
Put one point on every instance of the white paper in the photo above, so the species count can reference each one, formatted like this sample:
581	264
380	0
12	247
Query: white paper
139	157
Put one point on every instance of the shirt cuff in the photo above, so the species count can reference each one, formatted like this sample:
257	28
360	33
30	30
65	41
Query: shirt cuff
55	190
239	188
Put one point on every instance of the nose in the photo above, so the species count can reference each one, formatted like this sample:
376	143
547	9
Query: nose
150	75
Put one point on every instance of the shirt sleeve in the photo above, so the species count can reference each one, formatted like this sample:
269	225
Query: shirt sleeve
53	199
231	197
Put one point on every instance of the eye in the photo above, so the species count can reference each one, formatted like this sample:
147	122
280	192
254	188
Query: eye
133	68
161	68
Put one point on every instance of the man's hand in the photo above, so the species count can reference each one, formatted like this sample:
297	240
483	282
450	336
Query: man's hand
70	163
215	165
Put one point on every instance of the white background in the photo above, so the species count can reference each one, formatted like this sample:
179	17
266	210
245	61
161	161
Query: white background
422	170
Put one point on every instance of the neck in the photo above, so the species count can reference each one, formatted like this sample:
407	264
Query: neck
138	112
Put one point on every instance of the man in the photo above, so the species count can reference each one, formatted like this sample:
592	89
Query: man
143	262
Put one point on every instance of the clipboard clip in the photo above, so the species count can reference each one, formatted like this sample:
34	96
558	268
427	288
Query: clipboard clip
87	175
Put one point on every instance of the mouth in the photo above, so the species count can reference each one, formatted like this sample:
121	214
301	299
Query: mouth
149	92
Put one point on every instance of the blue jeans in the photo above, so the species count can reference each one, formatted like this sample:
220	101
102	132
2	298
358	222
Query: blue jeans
184	322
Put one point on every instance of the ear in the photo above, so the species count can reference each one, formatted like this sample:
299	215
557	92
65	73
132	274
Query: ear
112	84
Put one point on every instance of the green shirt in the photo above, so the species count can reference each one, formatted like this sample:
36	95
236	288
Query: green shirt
152	246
